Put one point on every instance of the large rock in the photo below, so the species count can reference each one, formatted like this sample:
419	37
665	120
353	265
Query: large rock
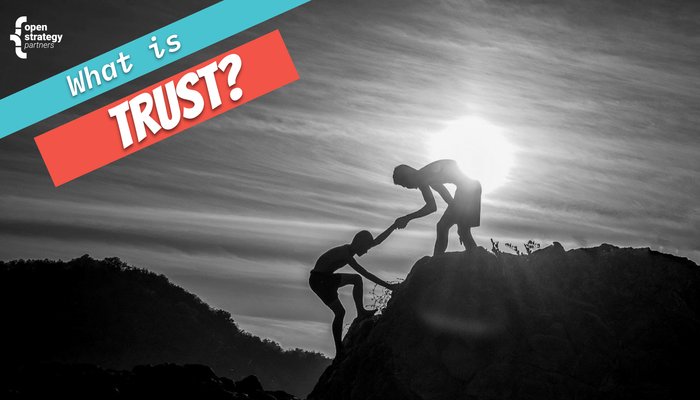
598	323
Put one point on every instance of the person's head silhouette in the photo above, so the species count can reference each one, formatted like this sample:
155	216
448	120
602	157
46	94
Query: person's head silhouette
405	176
362	242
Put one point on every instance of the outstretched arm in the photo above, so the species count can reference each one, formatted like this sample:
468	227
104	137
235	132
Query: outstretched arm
429	208
357	267
382	236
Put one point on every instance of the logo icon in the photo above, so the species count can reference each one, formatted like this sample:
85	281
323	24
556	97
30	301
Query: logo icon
17	38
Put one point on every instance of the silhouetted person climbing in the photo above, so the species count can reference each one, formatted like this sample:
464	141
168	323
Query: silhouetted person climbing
325	283
464	210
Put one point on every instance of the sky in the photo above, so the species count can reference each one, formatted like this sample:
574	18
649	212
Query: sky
580	119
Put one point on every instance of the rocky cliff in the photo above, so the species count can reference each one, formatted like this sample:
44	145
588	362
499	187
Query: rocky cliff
598	323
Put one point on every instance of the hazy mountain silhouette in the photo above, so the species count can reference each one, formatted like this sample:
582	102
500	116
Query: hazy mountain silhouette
116	316
598	323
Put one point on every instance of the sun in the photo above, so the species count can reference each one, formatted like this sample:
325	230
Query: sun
479	148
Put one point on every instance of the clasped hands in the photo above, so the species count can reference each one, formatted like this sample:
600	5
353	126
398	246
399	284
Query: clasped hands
401	222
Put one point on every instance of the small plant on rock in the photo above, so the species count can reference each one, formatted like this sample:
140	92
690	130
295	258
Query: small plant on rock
381	296
494	248
514	248
531	246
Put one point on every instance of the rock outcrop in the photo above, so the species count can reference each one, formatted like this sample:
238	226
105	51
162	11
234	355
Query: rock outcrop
598	323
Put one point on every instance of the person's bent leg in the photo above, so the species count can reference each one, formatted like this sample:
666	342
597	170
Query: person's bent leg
337	327
357	293
465	236
442	234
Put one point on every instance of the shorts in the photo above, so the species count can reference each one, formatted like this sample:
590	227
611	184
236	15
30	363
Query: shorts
465	210
325	286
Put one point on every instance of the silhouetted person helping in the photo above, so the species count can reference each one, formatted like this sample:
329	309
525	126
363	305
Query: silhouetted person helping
325	283
464	209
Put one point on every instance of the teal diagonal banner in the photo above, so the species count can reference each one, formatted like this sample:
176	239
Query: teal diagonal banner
194	33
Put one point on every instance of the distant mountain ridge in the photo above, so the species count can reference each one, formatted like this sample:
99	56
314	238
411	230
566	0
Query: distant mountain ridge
116	316
598	323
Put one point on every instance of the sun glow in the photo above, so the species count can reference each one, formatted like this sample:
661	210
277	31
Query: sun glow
478	147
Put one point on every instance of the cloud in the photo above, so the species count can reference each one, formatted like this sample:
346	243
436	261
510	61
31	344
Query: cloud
291	334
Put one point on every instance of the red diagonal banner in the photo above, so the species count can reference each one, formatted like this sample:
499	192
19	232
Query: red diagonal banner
166	108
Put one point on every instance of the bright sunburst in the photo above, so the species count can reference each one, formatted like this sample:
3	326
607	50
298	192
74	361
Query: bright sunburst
478	147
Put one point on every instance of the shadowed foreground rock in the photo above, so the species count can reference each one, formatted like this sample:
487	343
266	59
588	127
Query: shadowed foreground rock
599	323
85	381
